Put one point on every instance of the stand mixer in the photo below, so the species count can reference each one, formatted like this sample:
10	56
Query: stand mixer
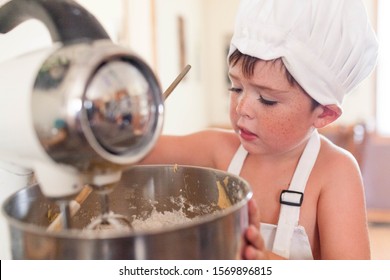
78	112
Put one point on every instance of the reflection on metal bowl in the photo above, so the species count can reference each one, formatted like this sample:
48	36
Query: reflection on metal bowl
213	202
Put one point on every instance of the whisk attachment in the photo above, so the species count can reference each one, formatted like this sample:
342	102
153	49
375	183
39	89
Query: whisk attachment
108	220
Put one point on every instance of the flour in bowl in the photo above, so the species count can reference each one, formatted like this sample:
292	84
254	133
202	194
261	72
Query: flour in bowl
160	220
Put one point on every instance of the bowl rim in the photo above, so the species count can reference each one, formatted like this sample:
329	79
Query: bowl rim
83	235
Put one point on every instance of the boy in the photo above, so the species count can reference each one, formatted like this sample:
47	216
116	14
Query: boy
290	65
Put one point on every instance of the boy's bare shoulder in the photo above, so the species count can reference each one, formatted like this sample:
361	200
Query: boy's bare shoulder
336	164
334	154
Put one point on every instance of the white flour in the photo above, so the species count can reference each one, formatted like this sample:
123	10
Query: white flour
156	220
160	220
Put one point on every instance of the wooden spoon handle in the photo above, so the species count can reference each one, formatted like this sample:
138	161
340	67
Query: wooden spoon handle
178	79
74	206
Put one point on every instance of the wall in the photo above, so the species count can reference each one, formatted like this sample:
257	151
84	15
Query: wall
219	21
186	108
29	36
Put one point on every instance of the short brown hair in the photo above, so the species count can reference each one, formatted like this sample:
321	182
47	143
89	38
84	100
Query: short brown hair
248	68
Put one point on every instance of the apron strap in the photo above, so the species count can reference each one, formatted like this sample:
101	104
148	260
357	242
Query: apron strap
292	198
238	161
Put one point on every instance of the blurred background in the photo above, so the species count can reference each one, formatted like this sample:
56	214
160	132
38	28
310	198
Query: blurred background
170	34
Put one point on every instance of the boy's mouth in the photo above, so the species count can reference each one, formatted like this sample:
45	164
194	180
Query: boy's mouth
246	134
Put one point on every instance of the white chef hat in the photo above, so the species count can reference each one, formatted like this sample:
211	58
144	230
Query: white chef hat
328	46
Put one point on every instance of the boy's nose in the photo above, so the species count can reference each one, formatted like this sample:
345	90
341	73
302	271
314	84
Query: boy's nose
245	106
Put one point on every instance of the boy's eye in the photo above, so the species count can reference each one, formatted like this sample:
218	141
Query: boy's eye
266	101
235	90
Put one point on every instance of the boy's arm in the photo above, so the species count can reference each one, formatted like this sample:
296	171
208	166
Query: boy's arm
341	212
198	149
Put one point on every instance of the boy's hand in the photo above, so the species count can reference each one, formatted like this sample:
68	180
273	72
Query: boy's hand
254	248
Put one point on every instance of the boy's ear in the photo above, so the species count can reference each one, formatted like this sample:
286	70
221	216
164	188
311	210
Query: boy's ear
326	114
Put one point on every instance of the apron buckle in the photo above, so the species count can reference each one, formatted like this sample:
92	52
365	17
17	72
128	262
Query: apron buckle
291	198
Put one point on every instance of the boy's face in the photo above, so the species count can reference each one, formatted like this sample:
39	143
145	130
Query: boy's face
270	114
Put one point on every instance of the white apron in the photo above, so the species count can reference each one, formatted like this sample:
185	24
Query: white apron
288	239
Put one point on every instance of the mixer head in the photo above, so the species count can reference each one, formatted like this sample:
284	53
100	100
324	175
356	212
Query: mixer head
102	107
88	107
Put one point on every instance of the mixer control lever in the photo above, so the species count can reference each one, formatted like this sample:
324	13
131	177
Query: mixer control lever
79	23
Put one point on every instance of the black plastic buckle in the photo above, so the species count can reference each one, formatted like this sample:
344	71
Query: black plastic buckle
297	204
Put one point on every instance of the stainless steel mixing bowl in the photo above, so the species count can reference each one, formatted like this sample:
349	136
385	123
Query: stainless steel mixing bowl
215	201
